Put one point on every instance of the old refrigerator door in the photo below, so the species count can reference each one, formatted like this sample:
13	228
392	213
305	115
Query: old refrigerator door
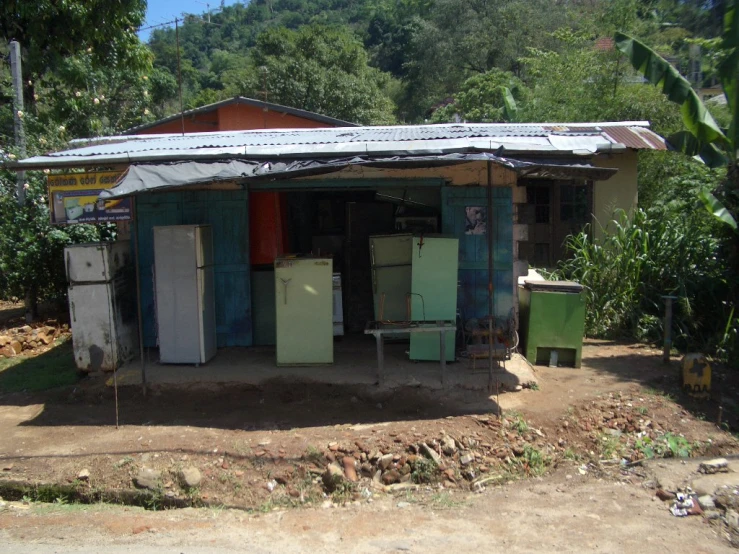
390	256
94	326
304	311
434	288
180	288
96	262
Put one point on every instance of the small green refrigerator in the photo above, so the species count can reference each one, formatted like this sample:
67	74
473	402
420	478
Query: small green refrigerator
552	322
304	311
433	293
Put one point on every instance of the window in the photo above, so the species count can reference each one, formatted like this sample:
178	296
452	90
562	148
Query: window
539	198
574	205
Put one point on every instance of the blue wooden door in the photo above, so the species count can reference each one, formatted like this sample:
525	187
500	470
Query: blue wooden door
473	249
227	213
152	211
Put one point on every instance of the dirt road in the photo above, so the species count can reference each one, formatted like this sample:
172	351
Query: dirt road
577	514
241	438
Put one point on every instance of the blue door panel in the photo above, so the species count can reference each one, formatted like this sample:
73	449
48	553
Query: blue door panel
227	213
473	249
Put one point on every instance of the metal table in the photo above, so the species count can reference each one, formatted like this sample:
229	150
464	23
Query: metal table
381	328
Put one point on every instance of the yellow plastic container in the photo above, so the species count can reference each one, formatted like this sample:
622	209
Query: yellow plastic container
696	375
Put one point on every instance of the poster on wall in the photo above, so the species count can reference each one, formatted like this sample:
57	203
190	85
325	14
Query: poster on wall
74	198
476	220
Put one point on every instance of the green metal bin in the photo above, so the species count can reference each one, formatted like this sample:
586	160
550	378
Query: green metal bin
552	322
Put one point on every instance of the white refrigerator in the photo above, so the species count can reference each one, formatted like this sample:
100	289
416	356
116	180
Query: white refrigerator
184	293
102	304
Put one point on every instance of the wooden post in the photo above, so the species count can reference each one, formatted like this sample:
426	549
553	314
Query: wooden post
135	230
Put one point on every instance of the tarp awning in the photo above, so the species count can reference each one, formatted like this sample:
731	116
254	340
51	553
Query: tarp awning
142	178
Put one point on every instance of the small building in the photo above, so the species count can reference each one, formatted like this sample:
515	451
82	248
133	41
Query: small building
531	185
237	114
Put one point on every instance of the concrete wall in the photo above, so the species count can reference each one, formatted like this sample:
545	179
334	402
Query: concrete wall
620	191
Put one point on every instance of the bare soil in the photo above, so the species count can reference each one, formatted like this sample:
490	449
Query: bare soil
264	449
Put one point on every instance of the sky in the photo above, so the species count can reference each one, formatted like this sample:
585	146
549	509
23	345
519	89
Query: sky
161	11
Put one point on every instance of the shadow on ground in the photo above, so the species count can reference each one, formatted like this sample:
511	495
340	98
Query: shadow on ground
643	365
274	405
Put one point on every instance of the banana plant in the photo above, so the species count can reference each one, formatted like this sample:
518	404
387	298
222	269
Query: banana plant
702	136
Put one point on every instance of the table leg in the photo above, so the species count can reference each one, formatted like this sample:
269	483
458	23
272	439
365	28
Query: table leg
380	359
442	357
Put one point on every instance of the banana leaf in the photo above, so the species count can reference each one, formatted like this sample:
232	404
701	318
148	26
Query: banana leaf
659	72
686	143
511	108
717	209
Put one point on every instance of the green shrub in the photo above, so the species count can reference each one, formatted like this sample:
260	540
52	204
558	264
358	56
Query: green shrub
640	259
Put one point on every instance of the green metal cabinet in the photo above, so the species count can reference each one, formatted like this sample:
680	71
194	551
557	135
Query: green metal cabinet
304	311
552	321
434	293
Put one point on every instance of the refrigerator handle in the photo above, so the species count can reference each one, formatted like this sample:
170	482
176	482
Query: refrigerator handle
69	277
374	271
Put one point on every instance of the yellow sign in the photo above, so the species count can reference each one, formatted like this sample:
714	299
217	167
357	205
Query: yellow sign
74	198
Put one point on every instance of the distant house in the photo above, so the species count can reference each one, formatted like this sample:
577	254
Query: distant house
237	114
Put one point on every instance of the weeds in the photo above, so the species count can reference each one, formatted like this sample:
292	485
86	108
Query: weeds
518	423
668	445
312	454
424	471
611	447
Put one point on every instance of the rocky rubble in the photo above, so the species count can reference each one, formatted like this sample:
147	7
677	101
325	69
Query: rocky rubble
623	427
15	340
495	452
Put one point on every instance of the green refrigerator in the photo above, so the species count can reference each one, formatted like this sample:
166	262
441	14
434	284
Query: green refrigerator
434	278
390	256
304	311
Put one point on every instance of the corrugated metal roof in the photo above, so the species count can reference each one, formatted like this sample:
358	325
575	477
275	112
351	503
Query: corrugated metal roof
526	138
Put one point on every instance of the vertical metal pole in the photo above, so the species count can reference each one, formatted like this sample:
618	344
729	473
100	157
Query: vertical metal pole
135	229
19	131
491	305
179	72
442	354
380	359
668	328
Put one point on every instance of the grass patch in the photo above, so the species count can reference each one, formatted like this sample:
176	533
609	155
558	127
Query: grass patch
54	368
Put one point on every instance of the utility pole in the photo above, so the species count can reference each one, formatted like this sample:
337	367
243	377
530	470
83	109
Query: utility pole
20	135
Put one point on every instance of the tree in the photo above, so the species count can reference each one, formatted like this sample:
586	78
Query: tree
49	31
317	68
703	136
490	97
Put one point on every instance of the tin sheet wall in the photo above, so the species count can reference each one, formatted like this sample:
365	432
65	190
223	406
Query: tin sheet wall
473	249
227	212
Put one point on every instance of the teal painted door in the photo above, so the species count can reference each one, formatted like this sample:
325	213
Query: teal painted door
227	213
473	248
434	293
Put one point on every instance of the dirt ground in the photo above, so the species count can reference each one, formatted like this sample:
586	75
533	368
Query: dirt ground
264	449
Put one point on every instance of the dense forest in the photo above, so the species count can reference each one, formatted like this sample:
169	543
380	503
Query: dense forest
87	74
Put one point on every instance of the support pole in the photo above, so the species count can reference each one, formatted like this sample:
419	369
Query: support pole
668	328
491	304
442	354
179	72
18	130
135	229
380	360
